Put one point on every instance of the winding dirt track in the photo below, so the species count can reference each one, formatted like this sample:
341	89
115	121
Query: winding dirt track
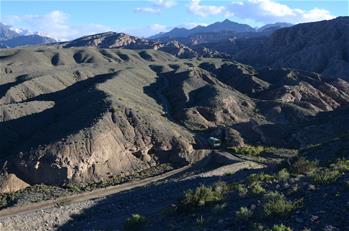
98	193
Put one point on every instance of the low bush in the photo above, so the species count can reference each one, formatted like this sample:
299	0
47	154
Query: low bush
276	204
283	175
201	197
260	177
303	166
248	150
135	222
256	188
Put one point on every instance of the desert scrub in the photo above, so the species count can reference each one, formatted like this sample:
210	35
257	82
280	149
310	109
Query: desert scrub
241	189
276	204
280	227
135	222
248	150
260	177
243	214
341	165
283	175
303	166
325	176
256	188
202	196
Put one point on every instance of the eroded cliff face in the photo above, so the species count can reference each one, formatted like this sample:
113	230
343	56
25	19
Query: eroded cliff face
86	114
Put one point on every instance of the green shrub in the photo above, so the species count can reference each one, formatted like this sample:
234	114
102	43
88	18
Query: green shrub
257	177
280	227
303	166
248	150
256	188
201	197
244	213
283	175
276	204
326	176
135	222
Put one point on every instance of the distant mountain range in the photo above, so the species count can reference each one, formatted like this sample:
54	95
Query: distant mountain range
10	37
226	27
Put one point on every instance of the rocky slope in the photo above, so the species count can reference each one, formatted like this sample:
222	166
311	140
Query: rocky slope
318	46
84	114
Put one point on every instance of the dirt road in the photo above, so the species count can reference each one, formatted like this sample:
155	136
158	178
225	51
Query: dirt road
99	193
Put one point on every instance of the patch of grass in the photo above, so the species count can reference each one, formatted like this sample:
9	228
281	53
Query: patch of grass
276	204
135	222
326	176
248	150
202	196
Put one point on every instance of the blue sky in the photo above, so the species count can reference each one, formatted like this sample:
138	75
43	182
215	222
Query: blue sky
65	20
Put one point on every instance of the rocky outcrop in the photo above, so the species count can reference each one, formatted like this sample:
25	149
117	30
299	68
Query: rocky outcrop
11	183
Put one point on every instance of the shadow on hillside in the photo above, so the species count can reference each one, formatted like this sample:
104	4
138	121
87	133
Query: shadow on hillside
75	108
153	202
7	86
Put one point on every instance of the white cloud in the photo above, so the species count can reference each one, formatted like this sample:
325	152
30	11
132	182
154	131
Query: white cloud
159	28
147	10
164	3
157	6
205	10
55	24
268	11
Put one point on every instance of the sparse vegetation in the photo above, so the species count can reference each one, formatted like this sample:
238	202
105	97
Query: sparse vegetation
326	176
280	227
341	165
202	196
241	189
244	213
283	175
135	222
260	177
303	166
276	204
256	188
248	150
